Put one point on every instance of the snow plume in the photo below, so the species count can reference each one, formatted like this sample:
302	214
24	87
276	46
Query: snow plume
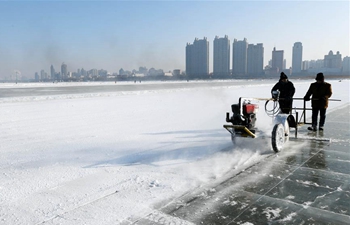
231	160
219	164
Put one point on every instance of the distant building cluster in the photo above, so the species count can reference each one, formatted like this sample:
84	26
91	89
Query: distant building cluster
248	60
103	75
65	75
243	60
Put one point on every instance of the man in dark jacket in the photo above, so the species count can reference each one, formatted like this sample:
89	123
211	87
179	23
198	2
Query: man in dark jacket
287	90
320	92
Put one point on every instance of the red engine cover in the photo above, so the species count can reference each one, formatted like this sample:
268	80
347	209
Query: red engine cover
250	108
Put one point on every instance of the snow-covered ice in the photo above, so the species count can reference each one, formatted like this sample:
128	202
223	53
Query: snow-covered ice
111	157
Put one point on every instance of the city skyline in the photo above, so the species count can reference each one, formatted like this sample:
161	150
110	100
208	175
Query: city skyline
254	62
117	34
332	63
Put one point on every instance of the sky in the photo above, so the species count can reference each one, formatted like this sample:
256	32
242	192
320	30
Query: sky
112	157
128	34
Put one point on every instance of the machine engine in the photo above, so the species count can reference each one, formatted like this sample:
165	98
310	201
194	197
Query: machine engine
244	116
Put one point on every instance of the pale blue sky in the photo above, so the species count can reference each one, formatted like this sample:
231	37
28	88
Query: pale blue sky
128	34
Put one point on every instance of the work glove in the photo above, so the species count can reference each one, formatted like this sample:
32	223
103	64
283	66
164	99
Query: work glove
306	98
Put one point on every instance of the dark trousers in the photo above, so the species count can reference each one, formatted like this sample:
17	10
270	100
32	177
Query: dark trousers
315	112
285	106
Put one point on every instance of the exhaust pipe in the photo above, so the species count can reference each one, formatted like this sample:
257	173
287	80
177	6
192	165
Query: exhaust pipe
228	117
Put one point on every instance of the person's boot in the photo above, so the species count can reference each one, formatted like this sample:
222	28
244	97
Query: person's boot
312	128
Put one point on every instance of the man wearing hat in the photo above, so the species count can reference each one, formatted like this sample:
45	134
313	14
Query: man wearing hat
320	92
287	90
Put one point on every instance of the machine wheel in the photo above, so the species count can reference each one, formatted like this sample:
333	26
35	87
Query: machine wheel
278	137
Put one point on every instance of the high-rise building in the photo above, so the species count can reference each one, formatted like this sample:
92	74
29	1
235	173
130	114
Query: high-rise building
189	59
333	61
346	65
316	64
83	72
239	57
306	65
52	72
43	75
94	72
297	58
221	57
37	77
64	71
197	59
277	60
255	59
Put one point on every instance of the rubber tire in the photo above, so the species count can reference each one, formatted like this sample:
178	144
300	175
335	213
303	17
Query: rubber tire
278	137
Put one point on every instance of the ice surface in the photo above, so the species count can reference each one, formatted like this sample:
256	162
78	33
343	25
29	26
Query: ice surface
110	157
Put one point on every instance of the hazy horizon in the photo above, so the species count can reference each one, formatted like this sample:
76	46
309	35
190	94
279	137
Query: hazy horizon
118	34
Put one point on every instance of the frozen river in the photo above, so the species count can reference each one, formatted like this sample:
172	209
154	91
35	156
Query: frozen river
118	153
40	89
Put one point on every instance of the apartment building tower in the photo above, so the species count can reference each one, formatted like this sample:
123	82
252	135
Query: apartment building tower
333	60
277	61
297	58
255	59
64	71
239	57
221	57
197	59
43	75
52	72
346	65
